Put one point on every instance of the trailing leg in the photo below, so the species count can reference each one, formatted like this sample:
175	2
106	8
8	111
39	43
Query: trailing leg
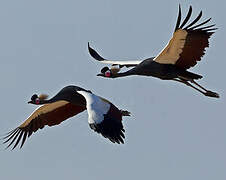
208	92
205	92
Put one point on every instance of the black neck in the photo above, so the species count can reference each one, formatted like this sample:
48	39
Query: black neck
123	74
44	101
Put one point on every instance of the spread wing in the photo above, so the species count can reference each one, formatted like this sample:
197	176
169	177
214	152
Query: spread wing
188	44
111	126
48	114
96	56
104	117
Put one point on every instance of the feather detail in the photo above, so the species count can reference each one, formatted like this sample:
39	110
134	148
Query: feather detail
43	96
115	69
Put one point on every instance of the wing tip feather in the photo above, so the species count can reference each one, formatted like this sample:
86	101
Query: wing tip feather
192	26
95	54
186	18
178	18
13	138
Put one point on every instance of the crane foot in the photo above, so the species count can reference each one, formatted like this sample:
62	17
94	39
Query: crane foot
211	94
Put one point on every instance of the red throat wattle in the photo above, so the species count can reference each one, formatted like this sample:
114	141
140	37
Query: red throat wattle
37	101
108	74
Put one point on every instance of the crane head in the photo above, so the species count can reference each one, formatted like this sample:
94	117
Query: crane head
35	99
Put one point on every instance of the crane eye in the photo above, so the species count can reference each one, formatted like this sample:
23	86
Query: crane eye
107	73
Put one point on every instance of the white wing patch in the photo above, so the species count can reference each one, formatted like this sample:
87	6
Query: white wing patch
96	107
121	62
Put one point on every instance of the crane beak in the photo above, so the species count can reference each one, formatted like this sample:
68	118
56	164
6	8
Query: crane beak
29	102
100	75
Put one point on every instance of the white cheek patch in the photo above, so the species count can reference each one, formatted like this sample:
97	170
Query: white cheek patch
107	73
96	107
37	100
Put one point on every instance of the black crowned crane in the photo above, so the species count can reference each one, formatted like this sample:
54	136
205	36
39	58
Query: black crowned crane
103	117
185	48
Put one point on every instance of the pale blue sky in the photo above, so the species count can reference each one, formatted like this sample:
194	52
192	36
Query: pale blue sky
173	133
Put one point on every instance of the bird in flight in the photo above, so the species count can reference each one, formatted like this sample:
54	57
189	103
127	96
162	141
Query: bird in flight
184	50
103	116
